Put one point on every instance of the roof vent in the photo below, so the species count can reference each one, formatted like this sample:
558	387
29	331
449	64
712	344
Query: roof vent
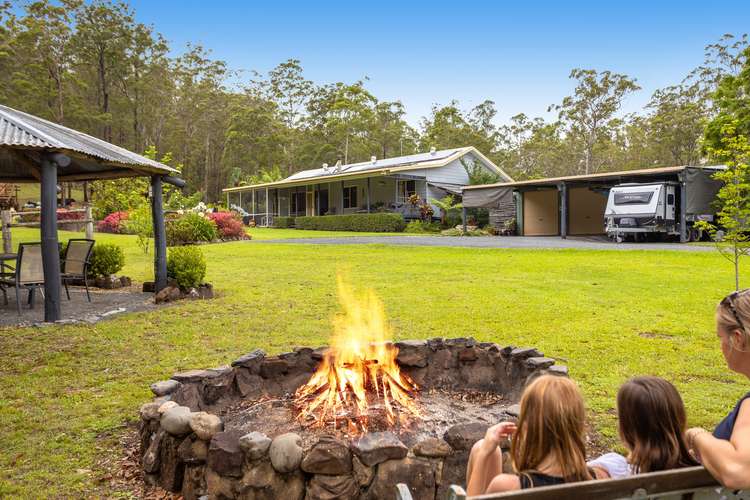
373	159
432	150
325	168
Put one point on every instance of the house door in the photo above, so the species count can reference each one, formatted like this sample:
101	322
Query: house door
322	202
310	205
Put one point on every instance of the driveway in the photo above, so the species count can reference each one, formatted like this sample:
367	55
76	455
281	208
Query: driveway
530	242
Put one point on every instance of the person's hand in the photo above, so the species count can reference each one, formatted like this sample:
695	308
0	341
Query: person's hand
497	433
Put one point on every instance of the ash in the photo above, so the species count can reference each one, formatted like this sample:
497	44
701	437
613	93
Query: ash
439	410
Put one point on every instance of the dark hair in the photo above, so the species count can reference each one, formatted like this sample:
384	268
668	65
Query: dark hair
652	425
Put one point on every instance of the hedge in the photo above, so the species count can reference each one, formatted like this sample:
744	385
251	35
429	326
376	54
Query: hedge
376	223
283	222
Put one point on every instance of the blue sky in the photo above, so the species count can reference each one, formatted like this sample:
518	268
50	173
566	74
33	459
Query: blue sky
518	54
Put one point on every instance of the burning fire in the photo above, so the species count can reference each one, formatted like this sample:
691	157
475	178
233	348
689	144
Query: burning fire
358	374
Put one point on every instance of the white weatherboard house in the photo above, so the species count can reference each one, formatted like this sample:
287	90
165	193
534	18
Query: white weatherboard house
372	186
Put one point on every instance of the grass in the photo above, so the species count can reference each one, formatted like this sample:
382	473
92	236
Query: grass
67	391
264	233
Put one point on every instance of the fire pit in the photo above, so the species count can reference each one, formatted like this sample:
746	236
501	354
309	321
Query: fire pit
349	421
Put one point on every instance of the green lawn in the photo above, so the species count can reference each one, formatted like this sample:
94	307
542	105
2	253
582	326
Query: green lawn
263	233
67	391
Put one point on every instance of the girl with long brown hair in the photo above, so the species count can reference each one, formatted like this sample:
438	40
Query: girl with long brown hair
548	445
652	424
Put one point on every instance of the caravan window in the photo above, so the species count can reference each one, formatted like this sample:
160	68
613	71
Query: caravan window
641	198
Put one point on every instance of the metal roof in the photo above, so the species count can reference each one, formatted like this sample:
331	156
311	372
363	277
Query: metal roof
365	166
602	176
383	166
22	131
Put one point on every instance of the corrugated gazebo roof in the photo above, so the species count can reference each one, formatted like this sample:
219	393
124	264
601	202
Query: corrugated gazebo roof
22	136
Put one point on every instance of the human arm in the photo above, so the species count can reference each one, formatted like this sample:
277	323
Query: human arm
727	461
485	461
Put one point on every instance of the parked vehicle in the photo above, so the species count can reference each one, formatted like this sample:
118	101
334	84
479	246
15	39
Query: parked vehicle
637	210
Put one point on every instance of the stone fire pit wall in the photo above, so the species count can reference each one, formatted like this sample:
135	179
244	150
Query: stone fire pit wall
184	447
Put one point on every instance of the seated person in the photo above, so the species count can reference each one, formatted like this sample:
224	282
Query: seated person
652	425
548	442
726	451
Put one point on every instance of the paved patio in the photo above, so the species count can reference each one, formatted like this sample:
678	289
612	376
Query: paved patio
528	242
104	304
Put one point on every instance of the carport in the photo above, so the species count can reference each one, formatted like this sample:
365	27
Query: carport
575	205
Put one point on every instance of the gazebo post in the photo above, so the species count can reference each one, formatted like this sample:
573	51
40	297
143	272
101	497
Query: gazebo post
160	234
50	249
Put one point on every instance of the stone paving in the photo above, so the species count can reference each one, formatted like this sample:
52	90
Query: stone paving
104	304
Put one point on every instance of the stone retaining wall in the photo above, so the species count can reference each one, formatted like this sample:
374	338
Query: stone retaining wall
185	449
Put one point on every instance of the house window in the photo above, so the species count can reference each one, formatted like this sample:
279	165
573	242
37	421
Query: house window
407	188
298	203
350	197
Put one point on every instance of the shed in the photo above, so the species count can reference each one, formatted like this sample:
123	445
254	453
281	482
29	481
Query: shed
575	205
36	150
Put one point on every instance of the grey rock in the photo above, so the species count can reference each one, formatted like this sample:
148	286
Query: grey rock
255	445
525	352
323	487
377	447
539	362
164	387
176	420
513	410
194	482
166	406
151	457
150	411
432	448
193	450
251	360
172	468
463	436
561	370
248	384
200	375
412	353
261	481
225	454
286	452
328	456
362	473
417	473
273	368
205	425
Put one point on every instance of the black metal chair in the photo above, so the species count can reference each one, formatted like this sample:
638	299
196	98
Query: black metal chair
28	274
75	263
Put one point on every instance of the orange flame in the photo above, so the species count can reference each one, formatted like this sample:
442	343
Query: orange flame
358	370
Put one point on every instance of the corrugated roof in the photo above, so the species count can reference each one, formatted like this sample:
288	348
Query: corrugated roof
384	166
398	161
594	177
22	130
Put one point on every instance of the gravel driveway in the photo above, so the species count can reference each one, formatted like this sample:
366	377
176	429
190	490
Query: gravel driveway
590	243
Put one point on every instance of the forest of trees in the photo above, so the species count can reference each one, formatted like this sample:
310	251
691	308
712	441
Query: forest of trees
92	66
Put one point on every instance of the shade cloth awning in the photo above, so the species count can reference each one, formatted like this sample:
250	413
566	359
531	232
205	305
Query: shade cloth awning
488	197
448	188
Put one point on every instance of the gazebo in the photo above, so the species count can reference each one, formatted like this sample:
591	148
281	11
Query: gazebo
35	150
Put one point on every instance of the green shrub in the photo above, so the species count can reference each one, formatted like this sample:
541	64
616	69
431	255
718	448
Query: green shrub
187	266
190	228
422	227
283	222
139	222
106	259
459	232
376	223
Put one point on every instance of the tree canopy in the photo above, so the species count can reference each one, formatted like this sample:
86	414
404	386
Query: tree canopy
94	67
